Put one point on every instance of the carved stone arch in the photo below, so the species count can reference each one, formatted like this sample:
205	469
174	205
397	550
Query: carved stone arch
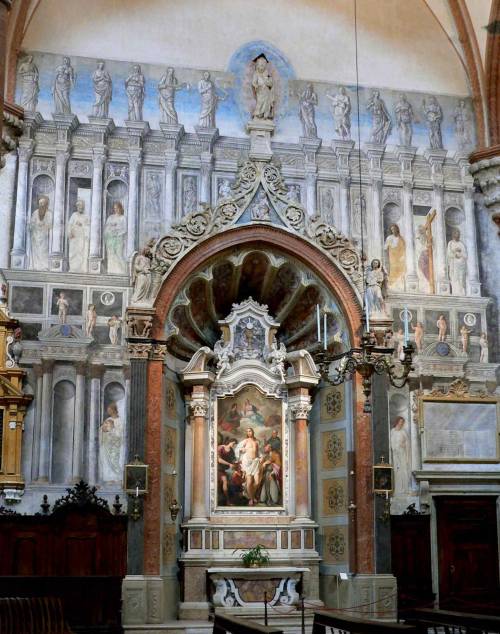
260	237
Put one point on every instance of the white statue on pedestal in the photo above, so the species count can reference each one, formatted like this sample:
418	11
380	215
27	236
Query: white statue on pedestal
115	233
263	88
63	83
40	225
78	237
103	89
456	254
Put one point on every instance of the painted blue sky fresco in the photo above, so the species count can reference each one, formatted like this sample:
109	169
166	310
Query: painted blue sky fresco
233	87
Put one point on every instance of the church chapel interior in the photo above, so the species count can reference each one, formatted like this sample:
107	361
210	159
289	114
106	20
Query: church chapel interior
249	316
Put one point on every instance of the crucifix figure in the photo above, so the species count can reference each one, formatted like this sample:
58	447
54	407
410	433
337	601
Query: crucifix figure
426	258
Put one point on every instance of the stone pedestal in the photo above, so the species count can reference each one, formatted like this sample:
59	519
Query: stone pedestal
260	132
376	595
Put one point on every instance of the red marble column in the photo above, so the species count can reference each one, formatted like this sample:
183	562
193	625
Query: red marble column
152	501
199	409
300	412
363	461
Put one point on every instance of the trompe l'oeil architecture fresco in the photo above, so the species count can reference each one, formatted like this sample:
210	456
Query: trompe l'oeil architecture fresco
178	244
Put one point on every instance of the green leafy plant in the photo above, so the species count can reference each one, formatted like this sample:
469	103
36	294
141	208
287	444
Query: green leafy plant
255	556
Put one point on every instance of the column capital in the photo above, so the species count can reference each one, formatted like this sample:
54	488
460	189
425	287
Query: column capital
199	407
408	185
81	367
134	159
139	350
469	193
96	371
47	365
25	150
99	157
345	180
299	410
171	160
62	155
159	351
38	370
438	188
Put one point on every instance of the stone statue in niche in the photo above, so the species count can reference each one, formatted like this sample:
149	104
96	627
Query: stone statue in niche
293	194
434	117
341	112
456	255
209	101
464	337
62	307
189	195
39	227
308	100
90	320
399	341
78	238
114	324
64	81
419	336
395	248
135	87
110	446
263	90
359	214
483	347
381	121
103	89
224	355
463	128
30	87
277	358
115	232
167	87
401	456
327	205
141	276
153	195
442	327
260	210
224	190
404	120
376	285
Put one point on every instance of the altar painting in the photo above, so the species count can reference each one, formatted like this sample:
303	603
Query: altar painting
249	450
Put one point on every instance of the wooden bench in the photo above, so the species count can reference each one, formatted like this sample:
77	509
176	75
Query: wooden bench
34	615
425	619
323	620
227	624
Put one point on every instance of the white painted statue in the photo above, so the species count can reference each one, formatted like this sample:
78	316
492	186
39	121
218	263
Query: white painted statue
135	87
404	120
103	89
395	249
341	112
63	83
307	102
224	356
141	276
434	118
464	336
115	233
90	320
167	87
263	90
224	190
376	280
456	255
277	358
463	130
40	226
30	88
209	100
114	324
78	237
442	326
110	446
358	214
381	121
189	195
62	307
483	346
401	456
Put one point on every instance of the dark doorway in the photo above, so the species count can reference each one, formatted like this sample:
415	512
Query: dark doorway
468	554
411	560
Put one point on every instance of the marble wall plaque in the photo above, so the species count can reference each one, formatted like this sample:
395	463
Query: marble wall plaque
247	539
26	299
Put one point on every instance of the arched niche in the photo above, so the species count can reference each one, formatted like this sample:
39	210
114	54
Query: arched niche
116	190
42	185
112	433
63	422
454	219
392	215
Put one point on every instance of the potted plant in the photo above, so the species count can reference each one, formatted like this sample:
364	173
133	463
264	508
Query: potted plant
255	557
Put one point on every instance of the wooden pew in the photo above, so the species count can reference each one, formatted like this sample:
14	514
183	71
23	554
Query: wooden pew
425	619
352	625
230	625
34	615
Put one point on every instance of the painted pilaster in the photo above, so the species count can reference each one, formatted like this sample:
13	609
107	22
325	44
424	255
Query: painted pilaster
342	151
300	407
436	159
95	416
78	428
207	138
35	453
95	255
57	243
46	418
406	156
18	253
173	135
199	411
473	284
134	161
376	239
310	147
7	187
